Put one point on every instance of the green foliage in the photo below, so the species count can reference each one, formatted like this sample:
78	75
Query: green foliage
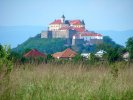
107	43
77	58
26	50
49	58
129	46
44	45
93	59
108	40
113	55
6	64
16	57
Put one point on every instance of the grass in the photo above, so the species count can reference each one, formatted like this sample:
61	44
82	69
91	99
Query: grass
68	82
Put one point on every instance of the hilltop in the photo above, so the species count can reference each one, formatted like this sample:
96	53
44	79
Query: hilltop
50	46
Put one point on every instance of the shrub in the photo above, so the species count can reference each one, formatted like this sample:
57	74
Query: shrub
6	64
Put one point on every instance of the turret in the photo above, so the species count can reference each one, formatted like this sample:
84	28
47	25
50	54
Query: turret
63	19
83	22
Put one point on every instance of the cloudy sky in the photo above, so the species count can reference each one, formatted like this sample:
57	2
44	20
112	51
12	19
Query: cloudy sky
97	14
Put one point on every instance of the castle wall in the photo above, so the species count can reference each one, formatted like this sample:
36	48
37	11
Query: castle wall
46	34
77	41
60	34
71	33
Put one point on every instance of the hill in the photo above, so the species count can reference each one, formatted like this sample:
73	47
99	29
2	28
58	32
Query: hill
43	45
50	46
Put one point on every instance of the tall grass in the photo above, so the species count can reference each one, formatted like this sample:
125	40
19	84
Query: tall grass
69	82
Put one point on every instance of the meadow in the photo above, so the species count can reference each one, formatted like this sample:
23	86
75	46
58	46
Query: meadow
69	82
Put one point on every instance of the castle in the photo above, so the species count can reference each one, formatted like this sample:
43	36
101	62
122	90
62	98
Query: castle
72	30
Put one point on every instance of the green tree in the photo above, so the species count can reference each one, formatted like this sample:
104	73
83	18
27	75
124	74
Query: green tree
93	58
129	46
107	43
6	64
113	55
16	57
78	57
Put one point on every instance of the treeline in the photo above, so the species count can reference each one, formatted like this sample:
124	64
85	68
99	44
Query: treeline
113	53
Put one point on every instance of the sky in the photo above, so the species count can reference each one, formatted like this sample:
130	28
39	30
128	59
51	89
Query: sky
97	14
104	15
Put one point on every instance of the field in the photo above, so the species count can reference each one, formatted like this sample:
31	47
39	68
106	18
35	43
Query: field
69	82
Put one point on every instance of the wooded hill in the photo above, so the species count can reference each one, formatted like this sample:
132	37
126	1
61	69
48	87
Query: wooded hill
50	46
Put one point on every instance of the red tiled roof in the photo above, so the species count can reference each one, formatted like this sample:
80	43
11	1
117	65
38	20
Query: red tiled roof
81	29
78	29
34	53
56	55
58	21
68	53
75	22
90	34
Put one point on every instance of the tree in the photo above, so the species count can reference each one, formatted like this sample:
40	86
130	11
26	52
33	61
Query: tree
107	43
129	46
5	60
16	57
113	55
77	58
93	58
6	65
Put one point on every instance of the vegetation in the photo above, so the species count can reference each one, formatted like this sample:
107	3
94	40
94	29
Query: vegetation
113	55
6	64
108	43
69	82
129	46
107	78
50	46
43	45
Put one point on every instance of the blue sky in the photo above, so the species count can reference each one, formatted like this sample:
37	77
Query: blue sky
98	14
116	15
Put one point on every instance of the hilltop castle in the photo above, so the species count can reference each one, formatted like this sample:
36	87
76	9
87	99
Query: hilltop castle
73	30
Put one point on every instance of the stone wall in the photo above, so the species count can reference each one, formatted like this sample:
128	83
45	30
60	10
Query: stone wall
46	34
60	34
77	41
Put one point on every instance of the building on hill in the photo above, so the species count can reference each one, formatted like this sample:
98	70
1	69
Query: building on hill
66	54
91	37
71	29
61	28
71	24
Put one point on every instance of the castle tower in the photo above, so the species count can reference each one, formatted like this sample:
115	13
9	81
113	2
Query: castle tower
63	19
83	22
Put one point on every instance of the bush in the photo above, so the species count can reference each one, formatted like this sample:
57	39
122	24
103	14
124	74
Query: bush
6	63
113	55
